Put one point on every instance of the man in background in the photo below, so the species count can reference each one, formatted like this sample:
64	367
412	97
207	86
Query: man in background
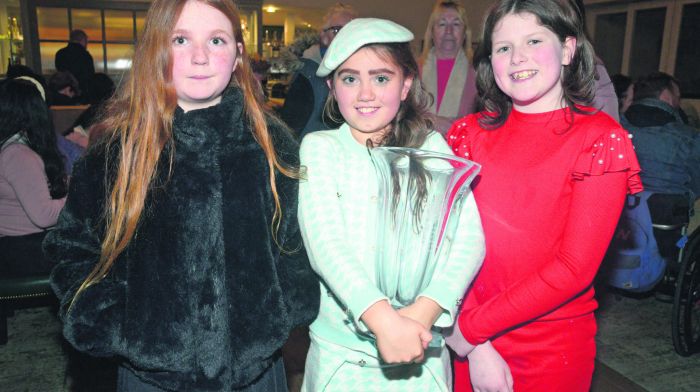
306	97
75	59
667	148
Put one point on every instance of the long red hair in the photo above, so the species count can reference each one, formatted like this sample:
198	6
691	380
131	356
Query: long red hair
139	123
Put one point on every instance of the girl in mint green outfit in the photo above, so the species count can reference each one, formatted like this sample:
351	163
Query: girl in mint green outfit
371	74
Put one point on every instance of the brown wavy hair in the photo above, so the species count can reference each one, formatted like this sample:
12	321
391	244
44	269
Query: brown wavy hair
564	19
138	123
412	123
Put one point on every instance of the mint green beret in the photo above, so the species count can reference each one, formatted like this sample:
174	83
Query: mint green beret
358	33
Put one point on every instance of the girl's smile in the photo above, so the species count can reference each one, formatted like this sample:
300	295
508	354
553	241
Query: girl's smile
527	60
368	110
369	91
523	75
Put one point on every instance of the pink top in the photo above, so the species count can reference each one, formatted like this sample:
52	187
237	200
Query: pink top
26	206
444	69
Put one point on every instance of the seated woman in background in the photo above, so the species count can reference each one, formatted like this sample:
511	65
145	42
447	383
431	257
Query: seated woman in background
69	150
63	89
33	181
101	89
18	70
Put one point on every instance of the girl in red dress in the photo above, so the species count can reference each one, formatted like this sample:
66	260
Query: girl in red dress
553	183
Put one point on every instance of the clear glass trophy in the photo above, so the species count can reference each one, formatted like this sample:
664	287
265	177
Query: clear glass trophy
420	200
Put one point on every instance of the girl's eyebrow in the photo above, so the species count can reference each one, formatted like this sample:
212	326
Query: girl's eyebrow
381	71
220	31
213	32
522	36
348	70
371	72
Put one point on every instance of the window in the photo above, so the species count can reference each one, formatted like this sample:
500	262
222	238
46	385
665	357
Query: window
113	28
610	39
112	35
687	58
646	41
641	37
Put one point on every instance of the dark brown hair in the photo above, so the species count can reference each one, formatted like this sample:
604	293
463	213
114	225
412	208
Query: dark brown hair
652	85
411	125
23	111
564	19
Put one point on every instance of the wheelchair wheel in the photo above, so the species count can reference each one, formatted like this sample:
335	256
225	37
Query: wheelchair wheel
686	301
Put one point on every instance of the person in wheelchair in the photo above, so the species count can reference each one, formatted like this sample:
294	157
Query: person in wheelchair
667	148
669	154
651	248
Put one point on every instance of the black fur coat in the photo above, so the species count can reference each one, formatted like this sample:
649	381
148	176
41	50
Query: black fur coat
202	298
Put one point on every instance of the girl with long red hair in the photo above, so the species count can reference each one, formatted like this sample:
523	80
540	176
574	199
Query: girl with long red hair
179	251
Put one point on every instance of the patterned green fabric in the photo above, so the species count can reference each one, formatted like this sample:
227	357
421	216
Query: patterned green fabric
336	216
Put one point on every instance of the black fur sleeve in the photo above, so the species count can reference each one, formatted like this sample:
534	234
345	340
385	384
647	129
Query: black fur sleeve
92	320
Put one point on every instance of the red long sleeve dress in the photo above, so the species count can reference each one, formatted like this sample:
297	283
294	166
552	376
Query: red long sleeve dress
550	192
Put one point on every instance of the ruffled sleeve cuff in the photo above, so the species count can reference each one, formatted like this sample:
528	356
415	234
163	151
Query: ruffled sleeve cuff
611	152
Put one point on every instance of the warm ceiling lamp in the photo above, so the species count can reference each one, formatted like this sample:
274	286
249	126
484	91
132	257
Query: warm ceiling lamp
271	9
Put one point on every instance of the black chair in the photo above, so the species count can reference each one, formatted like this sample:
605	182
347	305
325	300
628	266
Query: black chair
21	293
670	217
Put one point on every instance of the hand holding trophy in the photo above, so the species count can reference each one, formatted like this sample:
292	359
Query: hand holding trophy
420	199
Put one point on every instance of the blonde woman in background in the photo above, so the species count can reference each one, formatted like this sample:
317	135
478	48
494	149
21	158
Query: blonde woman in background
446	71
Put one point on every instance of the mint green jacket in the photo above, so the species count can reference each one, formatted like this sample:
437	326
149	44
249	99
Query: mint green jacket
337	203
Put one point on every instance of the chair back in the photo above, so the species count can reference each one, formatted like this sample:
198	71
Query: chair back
64	117
670	215
17	290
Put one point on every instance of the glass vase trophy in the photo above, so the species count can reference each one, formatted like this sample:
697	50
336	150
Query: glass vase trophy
420	199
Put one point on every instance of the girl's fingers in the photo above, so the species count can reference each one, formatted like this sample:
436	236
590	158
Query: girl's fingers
426	337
